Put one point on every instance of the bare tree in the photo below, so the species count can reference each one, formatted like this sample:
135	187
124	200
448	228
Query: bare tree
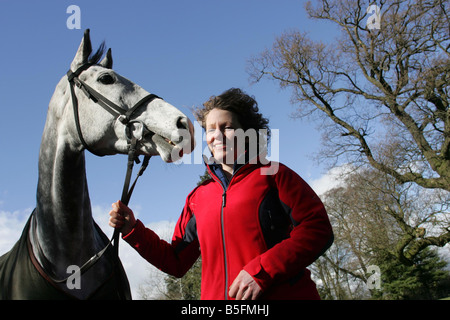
383	94
398	74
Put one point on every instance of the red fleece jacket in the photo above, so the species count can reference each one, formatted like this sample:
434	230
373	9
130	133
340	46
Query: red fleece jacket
271	225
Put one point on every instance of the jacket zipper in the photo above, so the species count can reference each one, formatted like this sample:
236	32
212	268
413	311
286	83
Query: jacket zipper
224	201
222	229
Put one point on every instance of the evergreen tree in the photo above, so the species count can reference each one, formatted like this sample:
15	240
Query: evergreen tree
187	287
425	279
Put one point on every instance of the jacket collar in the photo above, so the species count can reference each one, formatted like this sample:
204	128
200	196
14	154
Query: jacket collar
216	169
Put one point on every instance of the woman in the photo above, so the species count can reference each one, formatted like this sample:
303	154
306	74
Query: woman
257	229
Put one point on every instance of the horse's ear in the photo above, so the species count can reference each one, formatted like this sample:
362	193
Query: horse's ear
107	61
84	50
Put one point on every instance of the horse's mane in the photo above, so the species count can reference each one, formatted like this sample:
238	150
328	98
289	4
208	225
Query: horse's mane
95	58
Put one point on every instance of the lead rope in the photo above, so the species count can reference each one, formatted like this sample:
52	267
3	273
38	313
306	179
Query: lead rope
126	195
127	191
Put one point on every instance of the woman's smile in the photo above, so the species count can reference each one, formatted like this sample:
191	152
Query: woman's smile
220	134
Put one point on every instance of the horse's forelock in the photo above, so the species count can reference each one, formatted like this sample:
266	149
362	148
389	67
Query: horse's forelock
95	58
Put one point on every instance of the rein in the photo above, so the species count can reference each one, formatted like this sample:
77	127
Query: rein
124	116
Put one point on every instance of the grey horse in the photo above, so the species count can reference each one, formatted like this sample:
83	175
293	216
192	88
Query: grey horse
61	234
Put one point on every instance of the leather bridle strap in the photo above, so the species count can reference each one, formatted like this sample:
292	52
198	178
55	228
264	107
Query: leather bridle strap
123	115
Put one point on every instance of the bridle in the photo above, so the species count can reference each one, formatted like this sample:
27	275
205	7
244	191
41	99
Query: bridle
125	117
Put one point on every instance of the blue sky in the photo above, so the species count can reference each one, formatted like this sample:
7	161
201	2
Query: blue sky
184	51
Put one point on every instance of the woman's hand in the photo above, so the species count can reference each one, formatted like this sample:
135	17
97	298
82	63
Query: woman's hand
122	218
244	287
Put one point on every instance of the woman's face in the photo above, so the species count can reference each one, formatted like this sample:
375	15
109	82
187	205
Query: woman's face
220	135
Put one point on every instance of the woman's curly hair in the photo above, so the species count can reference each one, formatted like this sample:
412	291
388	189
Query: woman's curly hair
241	104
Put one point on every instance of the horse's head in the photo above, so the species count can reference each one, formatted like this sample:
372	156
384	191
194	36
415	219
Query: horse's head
159	127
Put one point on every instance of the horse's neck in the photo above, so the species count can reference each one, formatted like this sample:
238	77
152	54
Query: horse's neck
65	227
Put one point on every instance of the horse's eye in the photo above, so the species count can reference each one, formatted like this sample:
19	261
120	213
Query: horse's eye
106	79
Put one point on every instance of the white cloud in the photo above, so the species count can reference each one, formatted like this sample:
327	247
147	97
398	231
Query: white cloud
330	180
139	271
11	226
444	253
